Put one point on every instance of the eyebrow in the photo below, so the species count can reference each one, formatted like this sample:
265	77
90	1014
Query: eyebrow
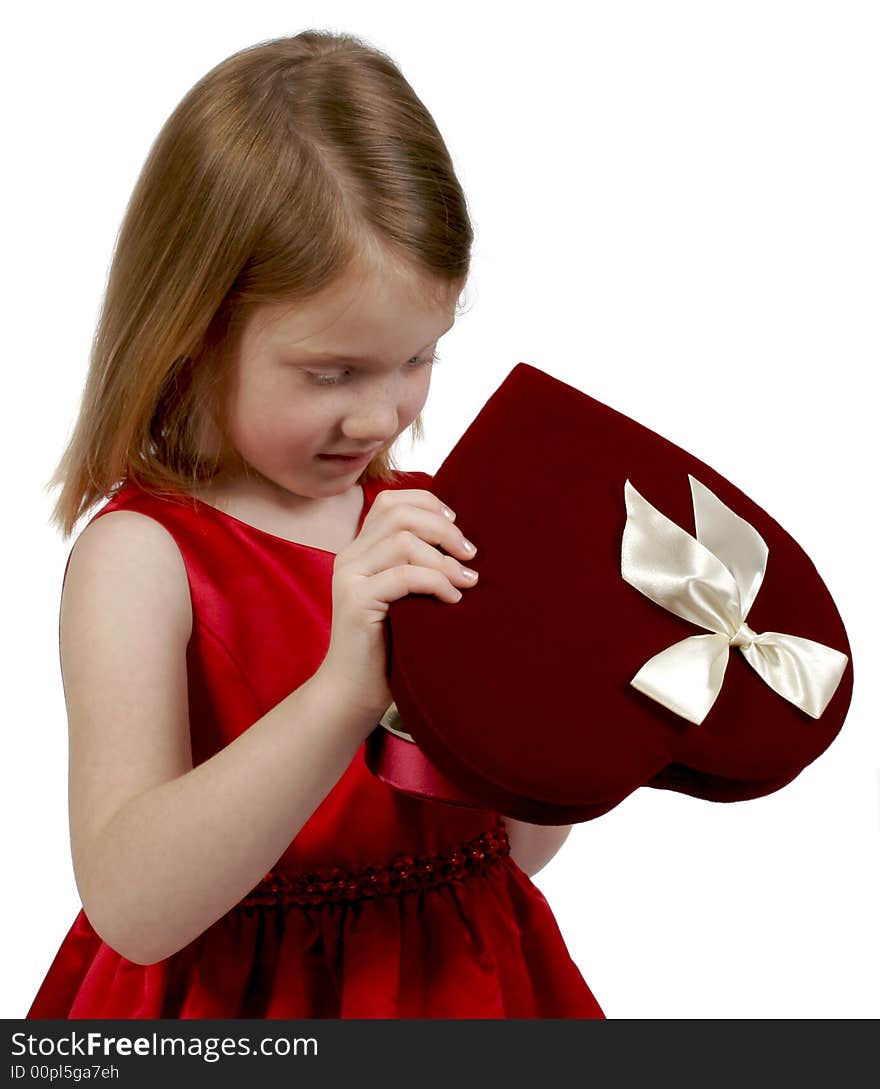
367	358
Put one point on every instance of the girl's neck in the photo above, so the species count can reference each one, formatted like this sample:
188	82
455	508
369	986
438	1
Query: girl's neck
329	523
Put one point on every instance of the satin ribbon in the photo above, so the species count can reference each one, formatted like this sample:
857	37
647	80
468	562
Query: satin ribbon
392	722
712	581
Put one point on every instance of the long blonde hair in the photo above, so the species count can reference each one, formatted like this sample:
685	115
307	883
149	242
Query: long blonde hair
286	166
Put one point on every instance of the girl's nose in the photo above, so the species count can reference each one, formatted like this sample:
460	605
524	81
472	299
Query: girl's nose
375	419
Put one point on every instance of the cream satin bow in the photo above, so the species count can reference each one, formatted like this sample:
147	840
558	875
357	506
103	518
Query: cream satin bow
712	581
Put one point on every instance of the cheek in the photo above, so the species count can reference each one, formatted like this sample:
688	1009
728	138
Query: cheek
415	398
264	410
250	414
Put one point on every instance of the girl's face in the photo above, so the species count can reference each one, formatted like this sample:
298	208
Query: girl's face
346	372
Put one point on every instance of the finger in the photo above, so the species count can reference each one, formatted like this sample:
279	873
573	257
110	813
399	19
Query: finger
416	497
416	546
384	515
394	583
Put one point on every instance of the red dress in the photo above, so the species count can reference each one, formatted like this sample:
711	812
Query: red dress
383	906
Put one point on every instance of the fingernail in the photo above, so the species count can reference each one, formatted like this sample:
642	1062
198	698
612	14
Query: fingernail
449	514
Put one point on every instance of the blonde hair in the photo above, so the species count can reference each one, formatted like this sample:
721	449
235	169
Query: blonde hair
290	164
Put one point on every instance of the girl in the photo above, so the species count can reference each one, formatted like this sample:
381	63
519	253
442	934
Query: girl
293	251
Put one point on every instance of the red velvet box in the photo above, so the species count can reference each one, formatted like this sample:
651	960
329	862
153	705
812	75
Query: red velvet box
601	545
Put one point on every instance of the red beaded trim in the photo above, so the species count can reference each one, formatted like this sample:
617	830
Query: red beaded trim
402	874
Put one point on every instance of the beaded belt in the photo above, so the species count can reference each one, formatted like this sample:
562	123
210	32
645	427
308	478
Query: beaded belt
402	874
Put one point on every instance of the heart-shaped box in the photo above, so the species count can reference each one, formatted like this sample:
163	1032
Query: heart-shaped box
549	692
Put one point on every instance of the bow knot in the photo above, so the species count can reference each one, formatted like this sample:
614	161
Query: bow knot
744	637
712	581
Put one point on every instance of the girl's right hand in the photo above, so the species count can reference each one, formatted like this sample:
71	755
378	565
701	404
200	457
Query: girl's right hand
392	556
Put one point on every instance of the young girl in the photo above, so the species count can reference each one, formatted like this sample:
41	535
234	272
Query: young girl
293	251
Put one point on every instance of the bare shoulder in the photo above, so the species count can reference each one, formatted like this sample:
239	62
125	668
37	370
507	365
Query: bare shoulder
132	552
126	620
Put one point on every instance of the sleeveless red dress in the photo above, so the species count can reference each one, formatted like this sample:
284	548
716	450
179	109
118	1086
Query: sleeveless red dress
383	906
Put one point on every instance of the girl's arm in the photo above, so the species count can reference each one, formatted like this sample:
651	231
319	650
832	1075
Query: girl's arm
533	845
162	850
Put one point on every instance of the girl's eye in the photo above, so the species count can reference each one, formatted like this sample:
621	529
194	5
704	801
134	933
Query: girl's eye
333	379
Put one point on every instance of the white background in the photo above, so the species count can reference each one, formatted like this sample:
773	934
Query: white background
676	211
